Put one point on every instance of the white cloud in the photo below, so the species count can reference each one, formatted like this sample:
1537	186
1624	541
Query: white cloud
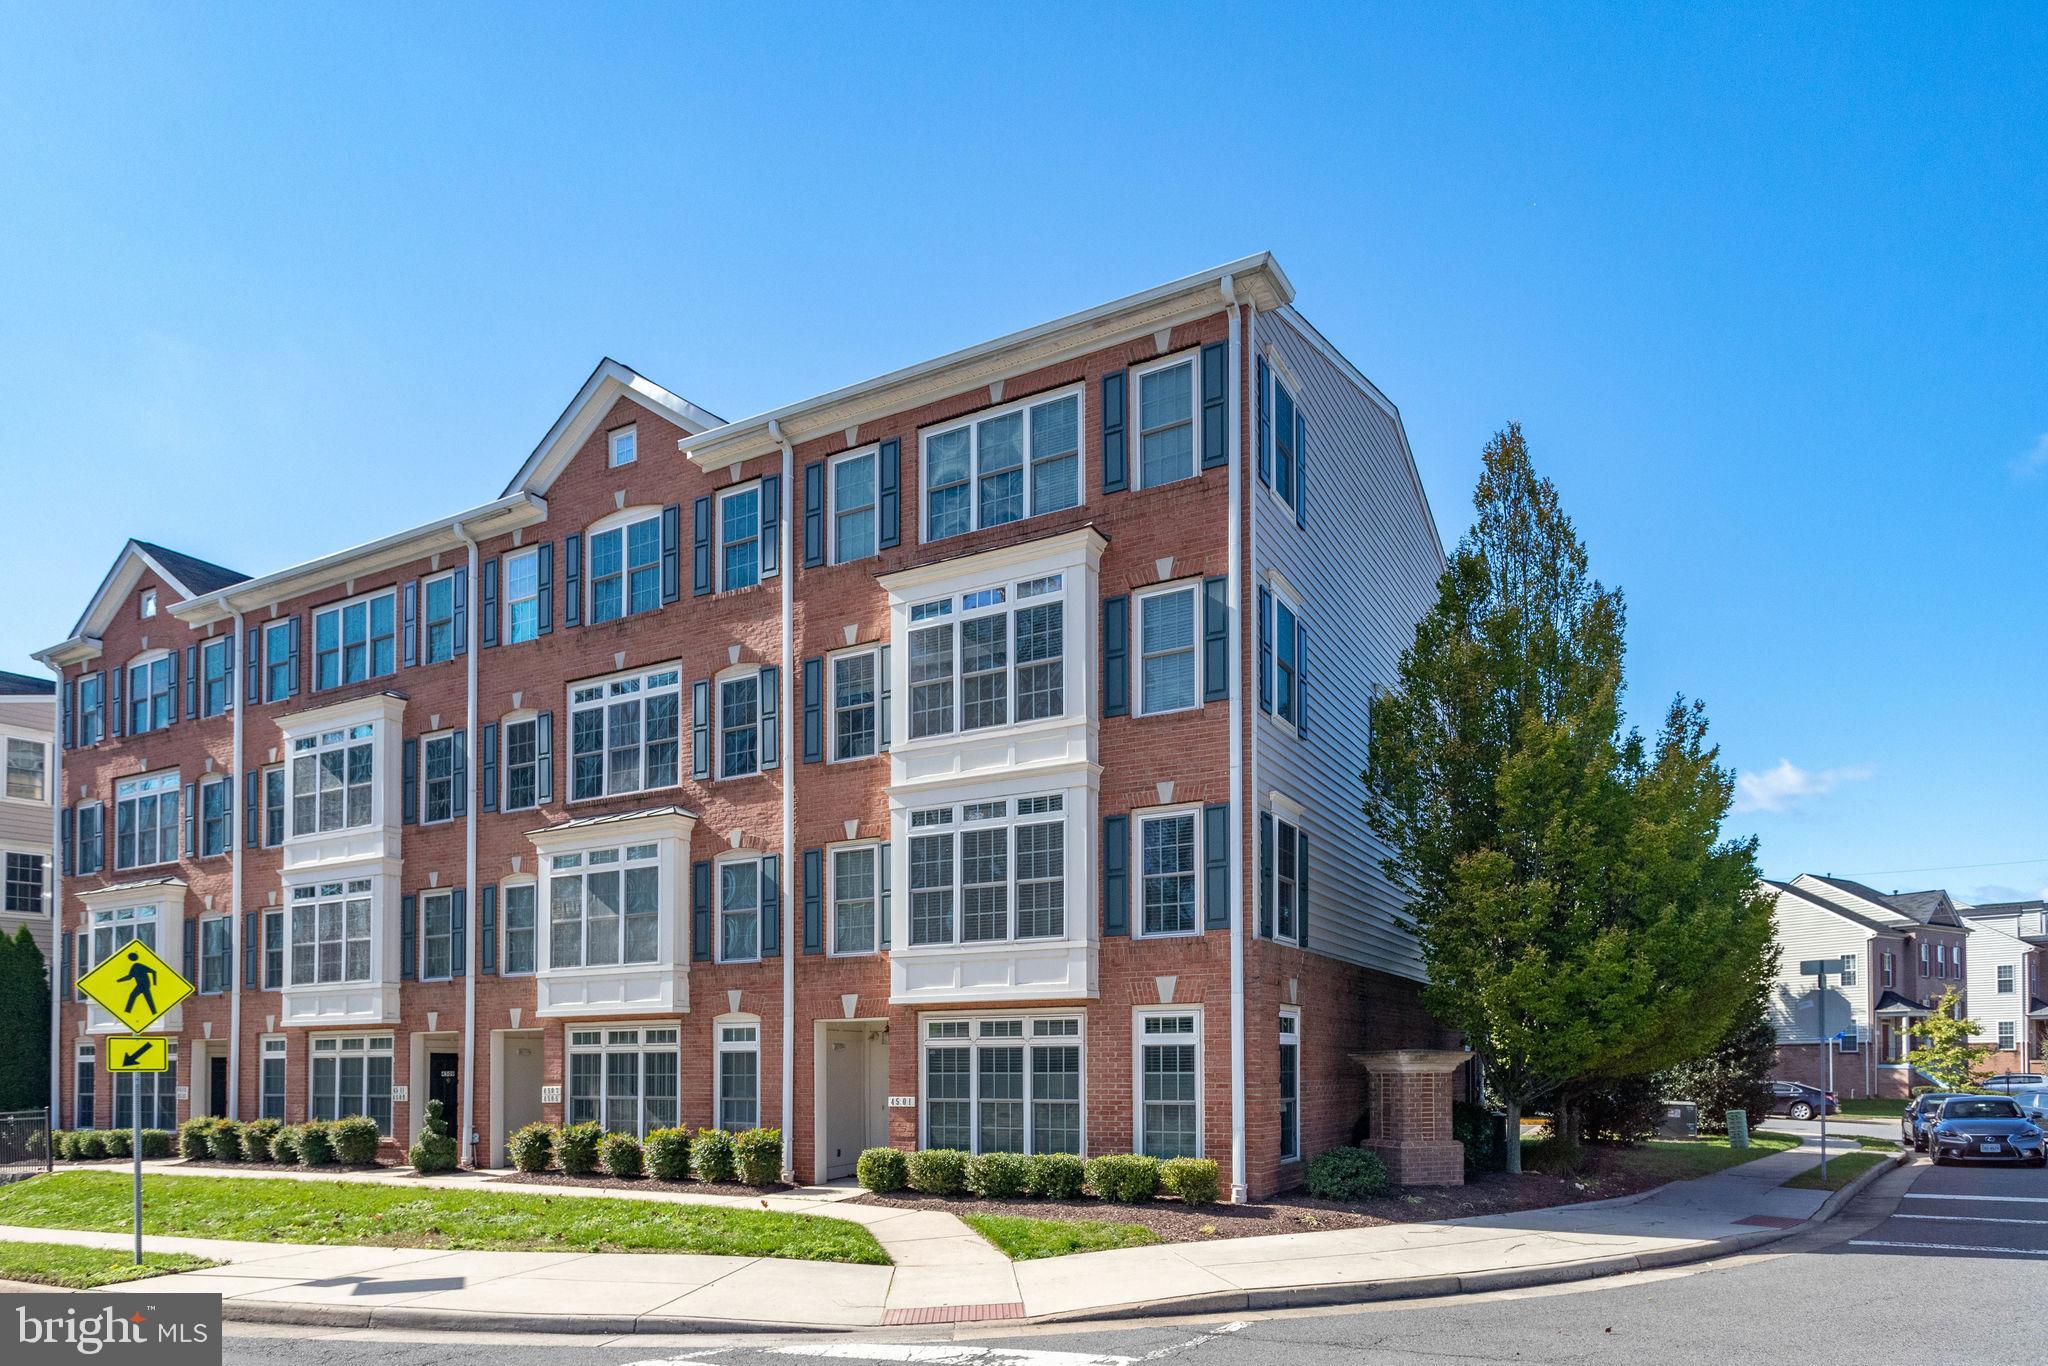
2034	463
1788	786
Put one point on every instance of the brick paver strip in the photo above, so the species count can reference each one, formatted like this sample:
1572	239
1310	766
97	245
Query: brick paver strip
952	1313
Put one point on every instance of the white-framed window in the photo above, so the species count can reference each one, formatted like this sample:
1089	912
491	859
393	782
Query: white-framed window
1168	1103
437	777
604	906
1284	427
351	1075
216	955
22	882
624	1077
277	660
1169	642
738	1100
157	1092
112	929
1848	977
1005	1083
270	1086
2008	1035
216	797
739	909
1021	460
522	596
437	935
1286	638
273	950
1848	1041
856	706
1169	869
739	725
440	605
84	1058
625	445
522	762
216	682
1286	876
1168	409
28	770
1941	960
856	501
623	733
625	565
332	776
988	871
1924	957
1290	1085
855	888
988	657
1890	967
152	692
148	604
2007	982
739	537
330	932
273	806
91	844
146	820
520	903
92	696
354	640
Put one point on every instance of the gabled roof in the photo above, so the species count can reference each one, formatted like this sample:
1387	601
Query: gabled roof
607	384
1998	910
1873	915
193	574
1892	1003
1929	907
25	685
188	574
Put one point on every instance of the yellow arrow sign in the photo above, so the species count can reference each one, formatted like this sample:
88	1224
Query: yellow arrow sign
135	986
138	1053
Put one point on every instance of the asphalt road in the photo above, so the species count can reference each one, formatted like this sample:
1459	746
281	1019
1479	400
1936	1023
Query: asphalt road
1966	1294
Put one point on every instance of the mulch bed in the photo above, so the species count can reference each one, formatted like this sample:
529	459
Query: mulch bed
215	1164
640	1185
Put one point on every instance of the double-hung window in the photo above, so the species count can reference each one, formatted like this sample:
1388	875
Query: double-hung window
331	933
988	872
351	1075
988	658
273	806
1284	427
1020	461
739	538
1286	659
854	704
91	844
23	886
440	606
92	698
522	763
331	780
624	1078
521	902
152	694
28	770
623	733
1166	421
438	777
355	640
1286	875
1290	1086
739	910
522	596
2006	982
437	935
271	1085
277	660
1167	649
855	501
739	1076
604	907
273	950
1007	1084
739	726
625	569
1168	861
85	1061
214	798
216	683
1848	977
216	955
856	903
1169	1107
146	820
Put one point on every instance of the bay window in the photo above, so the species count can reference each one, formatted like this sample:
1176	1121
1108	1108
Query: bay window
330	932
114	929
988	657
624	733
739	1076
146	820
1166	422
351	1075
354	640
625	569
1003	1084
331	776
1018	461
604	907
1169	1083
855	886
624	1079
988	872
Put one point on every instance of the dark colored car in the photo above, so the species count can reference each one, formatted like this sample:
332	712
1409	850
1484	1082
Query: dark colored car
1800	1101
1918	1116
2009	1082
1986	1129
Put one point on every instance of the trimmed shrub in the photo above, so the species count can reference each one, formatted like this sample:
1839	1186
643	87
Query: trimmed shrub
435	1151
88	1145
938	1171
256	1136
622	1155
224	1141
356	1139
757	1154
711	1155
158	1144
58	1138
284	1144
192	1138
1347	1175
668	1154
1193	1179
1126	1178
1057	1176
576	1148
883	1170
120	1143
316	1143
998	1176
533	1147
1479	1129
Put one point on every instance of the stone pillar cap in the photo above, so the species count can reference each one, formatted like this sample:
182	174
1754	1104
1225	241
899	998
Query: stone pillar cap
1413	1060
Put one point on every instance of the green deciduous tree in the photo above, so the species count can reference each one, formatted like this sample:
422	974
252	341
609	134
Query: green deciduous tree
1736	1074
1578	913
24	1024
1942	1047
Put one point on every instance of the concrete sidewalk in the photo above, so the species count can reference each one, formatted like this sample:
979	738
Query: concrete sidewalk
944	1273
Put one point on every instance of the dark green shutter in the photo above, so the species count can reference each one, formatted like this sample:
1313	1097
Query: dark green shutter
1265	426
191	679
191	820
1301	677
814	901
192	950
1116	877
888	493
252	809
487	930
408	930
1265	648
1116	656
1300	888
544	758
409	623
488	756
458	934
814	709
814	514
544	585
771	716
771	906
1215	639
771	525
700	729
572	580
1216	866
460	606
672	552
700	546
1115	459
1215	388
409	782
67	834
487	604
700	910
1265	873
68	703
291	654
1300	468
459	779
252	666
251	946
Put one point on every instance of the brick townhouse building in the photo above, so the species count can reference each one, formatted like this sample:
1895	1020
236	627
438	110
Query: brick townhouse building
966	757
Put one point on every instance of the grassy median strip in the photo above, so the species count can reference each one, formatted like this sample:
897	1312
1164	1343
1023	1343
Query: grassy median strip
1841	1171
1023	1240
85	1268
1872	1107
373	1215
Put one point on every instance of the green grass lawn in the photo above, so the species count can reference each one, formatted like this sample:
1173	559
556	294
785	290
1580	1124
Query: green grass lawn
1673	1159
365	1214
1023	1240
1872	1107
1878	1145
1842	1170
84	1268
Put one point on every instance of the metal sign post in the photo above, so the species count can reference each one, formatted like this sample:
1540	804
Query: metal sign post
137	988
1818	969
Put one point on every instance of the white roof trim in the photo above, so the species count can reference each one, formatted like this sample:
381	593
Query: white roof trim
607	384
121	576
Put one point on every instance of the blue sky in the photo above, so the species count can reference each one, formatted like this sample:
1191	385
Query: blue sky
1766	290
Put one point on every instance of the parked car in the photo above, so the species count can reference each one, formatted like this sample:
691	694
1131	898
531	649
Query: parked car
1986	1129
2033	1103
1800	1101
2009	1082
1918	1115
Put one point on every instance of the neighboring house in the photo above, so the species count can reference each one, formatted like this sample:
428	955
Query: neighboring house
2009	982
1900	952
28	726
966	757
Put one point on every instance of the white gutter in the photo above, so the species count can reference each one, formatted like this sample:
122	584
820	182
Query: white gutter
791	946
238	684
466	1134
1240	791
59	936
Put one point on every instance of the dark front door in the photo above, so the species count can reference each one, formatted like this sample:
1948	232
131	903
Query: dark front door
217	1086
442	1076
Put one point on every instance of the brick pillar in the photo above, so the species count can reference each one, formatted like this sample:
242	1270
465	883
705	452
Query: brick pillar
1409	1114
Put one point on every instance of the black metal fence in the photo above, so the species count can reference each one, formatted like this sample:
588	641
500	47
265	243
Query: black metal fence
24	1142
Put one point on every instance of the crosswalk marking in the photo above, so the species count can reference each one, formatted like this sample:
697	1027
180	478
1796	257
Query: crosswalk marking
1970	1219
1988	1199
1951	1247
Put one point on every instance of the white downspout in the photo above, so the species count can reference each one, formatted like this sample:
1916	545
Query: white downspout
1240	793
790	945
473	766
239	687
60	936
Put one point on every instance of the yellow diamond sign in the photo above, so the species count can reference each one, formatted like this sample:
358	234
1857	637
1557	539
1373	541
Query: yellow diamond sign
135	986
138	1053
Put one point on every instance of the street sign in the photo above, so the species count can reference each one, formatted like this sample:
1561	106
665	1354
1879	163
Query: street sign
135	986
1816	967
138	1053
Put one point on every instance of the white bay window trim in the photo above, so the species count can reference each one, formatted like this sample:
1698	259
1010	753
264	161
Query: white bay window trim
153	911
653	843
357	827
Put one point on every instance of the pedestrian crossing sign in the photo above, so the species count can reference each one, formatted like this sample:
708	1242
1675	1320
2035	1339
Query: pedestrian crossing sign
138	1053
135	986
